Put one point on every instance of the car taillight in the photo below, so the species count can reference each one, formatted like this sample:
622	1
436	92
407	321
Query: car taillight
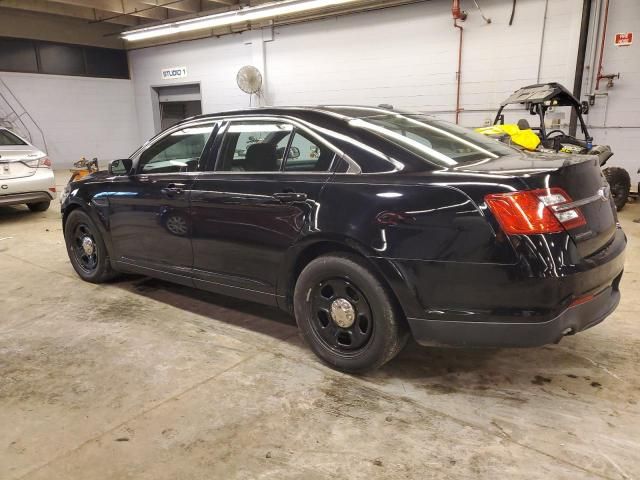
546	210
43	162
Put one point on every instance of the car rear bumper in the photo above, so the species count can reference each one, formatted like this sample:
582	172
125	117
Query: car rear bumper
524	334
39	187
466	304
31	197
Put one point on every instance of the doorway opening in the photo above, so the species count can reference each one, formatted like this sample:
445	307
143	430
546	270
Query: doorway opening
175	103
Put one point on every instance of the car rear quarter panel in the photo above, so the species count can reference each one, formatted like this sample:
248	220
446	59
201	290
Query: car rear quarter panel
443	254
410	229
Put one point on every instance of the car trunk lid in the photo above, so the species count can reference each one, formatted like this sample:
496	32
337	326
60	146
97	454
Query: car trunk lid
15	160
581	178
583	181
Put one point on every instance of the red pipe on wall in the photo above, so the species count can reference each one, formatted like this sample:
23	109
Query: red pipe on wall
602	45
459	72
455	10
458	15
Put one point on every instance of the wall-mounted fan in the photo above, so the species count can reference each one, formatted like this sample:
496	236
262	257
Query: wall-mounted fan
249	80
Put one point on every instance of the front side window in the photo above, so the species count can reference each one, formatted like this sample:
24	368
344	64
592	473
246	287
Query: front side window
177	152
8	138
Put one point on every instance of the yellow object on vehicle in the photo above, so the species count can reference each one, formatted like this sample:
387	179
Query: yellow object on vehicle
525	138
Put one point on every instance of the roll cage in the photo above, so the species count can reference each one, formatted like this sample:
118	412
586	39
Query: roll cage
538	99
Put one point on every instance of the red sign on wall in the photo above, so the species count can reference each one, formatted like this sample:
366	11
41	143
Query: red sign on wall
624	39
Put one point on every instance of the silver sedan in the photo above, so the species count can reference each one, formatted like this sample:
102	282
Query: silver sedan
26	176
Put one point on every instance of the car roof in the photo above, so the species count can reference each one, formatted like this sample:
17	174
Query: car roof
344	112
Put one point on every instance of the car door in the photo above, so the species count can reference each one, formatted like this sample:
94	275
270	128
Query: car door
149	216
248	208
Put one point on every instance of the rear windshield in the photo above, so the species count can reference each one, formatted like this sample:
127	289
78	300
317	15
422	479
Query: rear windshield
436	141
8	138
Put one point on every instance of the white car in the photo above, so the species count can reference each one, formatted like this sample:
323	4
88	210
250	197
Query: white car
25	174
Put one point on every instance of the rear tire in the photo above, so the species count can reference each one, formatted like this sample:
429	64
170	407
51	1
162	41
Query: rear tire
86	248
39	206
347	315
620	184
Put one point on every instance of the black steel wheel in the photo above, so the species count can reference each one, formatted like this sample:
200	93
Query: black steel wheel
346	314
620	183
86	249
342	317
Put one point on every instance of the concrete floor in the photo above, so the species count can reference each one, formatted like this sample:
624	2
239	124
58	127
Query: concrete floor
146	380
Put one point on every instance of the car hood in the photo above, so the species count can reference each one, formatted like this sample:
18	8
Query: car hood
96	176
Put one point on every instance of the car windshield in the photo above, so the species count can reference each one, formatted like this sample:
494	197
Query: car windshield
435	141
8	138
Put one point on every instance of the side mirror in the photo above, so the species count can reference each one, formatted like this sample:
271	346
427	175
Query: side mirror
584	107
121	166
294	152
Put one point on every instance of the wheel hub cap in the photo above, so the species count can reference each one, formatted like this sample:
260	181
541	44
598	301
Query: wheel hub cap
342	313
87	246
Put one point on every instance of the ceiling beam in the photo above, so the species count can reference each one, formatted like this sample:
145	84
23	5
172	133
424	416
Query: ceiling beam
140	9
81	12
134	8
228	3
189	6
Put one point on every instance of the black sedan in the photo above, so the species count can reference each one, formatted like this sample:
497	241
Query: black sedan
366	223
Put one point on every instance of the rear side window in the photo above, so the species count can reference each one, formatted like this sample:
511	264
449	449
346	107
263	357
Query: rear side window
306	154
177	152
437	142
265	146
8	138
254	146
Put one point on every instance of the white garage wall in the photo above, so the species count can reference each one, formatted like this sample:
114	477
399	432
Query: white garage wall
212	62
407	57
79	116
615	118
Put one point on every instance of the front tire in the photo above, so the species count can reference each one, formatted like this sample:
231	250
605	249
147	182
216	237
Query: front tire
39	206
620	183
346	315
86	248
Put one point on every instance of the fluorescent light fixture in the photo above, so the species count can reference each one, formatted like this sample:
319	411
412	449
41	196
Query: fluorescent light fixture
261	12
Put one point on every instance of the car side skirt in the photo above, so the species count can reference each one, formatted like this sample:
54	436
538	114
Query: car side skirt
187	279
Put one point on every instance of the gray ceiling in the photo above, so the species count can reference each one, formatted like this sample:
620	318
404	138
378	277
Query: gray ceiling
122	12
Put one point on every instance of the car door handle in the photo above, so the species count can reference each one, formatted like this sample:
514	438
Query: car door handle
173	189
290	197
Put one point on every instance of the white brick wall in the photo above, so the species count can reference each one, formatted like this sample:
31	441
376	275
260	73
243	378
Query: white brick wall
615	118
79	116
405	56
212	62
